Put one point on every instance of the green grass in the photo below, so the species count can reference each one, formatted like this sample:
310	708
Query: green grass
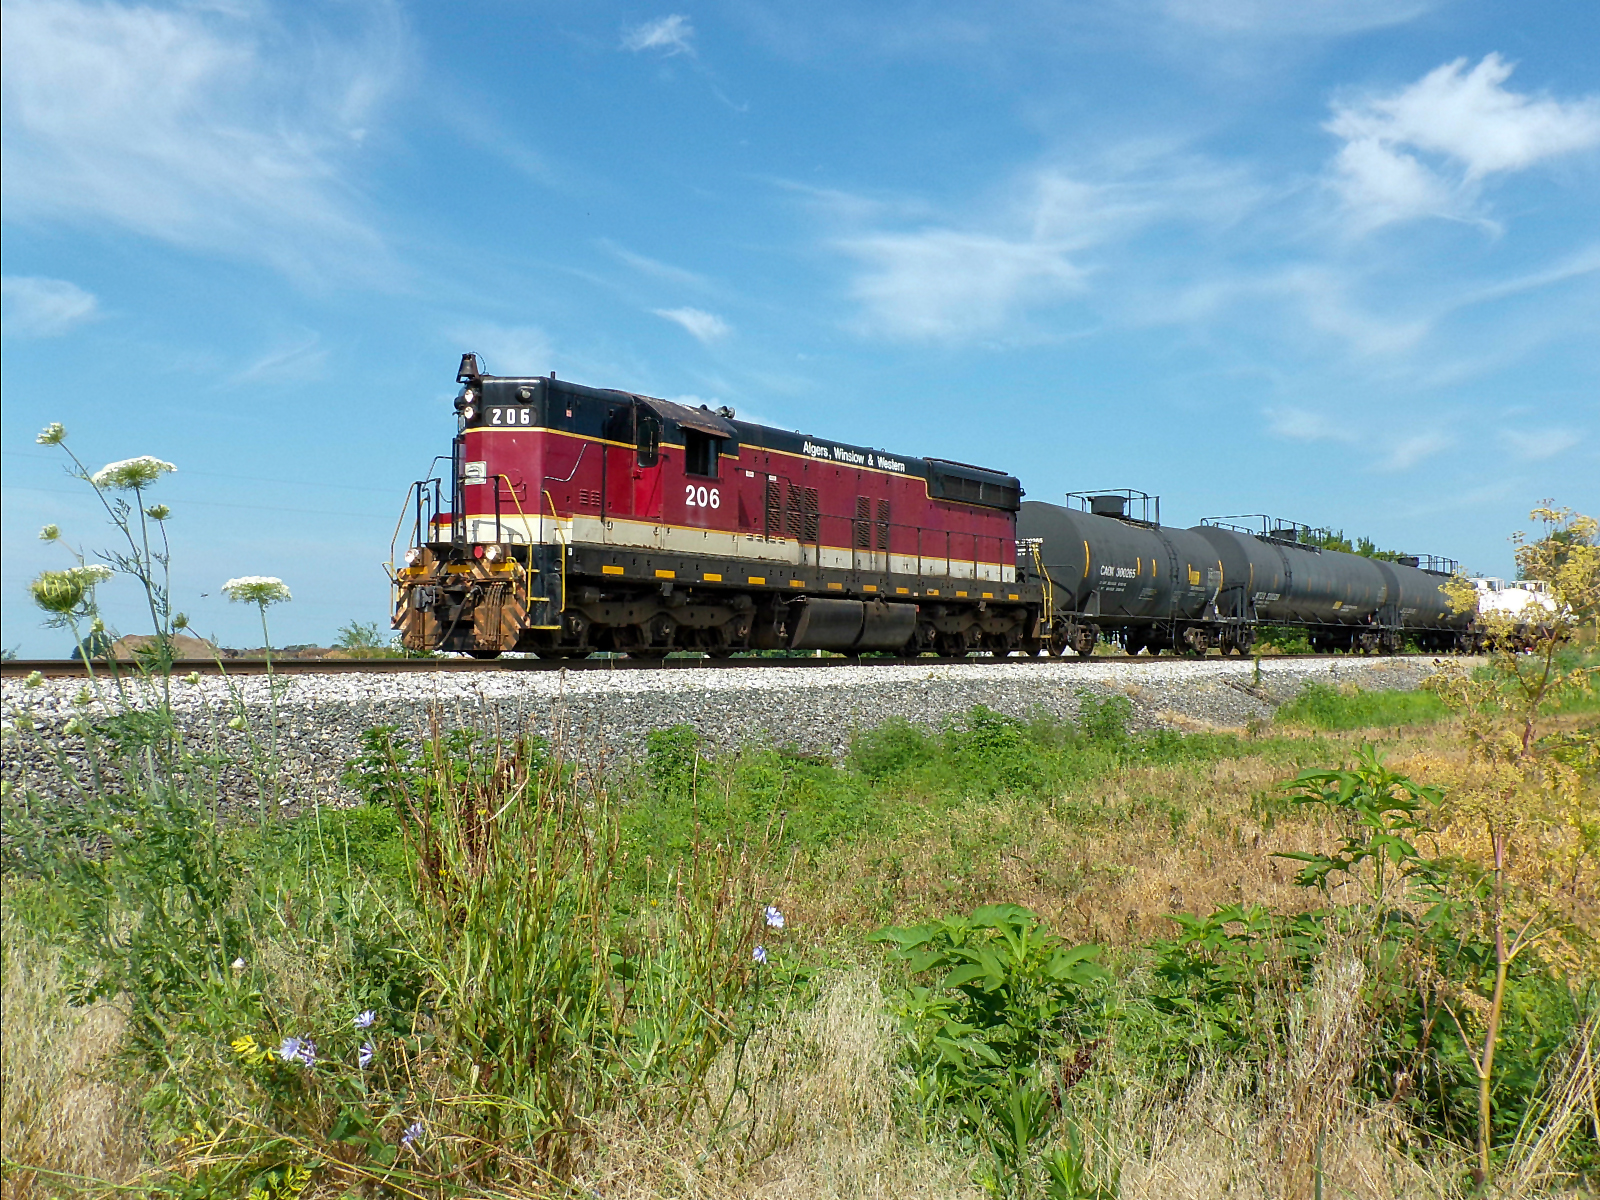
1319	706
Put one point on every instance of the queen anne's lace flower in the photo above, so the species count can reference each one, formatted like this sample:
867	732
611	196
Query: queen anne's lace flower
257	589
131	473
52	434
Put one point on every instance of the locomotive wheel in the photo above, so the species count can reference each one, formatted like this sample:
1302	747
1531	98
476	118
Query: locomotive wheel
951	645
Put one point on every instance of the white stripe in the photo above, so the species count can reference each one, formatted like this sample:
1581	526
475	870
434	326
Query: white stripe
668	539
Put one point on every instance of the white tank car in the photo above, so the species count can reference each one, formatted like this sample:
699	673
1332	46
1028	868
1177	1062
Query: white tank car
1524	599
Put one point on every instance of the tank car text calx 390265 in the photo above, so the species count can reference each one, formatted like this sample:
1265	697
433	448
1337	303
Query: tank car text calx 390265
574	519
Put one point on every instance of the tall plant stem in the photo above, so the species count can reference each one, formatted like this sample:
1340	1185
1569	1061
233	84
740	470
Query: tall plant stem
272	707
1502	964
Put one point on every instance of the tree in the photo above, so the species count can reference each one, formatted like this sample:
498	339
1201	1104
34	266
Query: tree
1515	786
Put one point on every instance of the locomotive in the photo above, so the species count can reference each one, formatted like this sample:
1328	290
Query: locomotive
576	519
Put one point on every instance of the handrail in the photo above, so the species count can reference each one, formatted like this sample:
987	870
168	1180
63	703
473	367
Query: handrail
527	575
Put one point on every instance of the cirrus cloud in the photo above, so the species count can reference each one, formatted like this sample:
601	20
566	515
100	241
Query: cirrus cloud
39	308
703	326
211	128
670	35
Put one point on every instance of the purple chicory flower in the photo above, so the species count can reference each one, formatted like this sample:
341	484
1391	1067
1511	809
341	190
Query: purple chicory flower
412	1133
289	1049
760	956
365	1018
774	917
365	1055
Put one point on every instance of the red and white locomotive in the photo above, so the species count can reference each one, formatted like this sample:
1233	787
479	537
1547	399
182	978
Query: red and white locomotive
578	519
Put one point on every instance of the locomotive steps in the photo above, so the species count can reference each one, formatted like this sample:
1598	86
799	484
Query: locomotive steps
604	715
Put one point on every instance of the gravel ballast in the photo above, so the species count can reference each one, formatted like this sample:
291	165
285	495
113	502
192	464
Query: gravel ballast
605	715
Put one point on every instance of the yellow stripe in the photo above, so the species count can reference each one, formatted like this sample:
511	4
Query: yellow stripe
1086	558
796	583
758	579
871	587
962	595
708	577
836	586
988	595
1013	596
902	591
608	569
933	591
666	575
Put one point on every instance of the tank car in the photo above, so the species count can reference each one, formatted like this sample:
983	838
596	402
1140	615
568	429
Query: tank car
1110	573
573	519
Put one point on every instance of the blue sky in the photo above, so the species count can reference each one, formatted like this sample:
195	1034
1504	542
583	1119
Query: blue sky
1334	261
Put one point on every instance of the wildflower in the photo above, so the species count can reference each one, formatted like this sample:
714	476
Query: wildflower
57	591
365	1018
238	964
74	727
83	699
158	512
760	955
365	1055
131	474
52	434
180	621
192	678
236	723
50	533
412	1133
34	679
257	589
301	1050
774	917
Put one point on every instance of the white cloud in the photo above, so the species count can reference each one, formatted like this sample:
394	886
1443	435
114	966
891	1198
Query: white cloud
1301	19
670	35
652	267
515	350
39	308
1536	445
949	283
299	362
1469	125
209	127
706	327
1307	425
1407	452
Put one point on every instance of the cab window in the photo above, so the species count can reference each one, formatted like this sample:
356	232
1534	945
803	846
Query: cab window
700	453
648	441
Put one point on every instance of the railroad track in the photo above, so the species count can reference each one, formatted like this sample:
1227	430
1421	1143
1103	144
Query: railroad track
59	668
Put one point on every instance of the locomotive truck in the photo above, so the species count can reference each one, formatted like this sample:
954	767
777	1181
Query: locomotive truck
573	519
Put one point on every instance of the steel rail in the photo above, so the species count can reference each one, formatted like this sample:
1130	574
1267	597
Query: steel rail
62	668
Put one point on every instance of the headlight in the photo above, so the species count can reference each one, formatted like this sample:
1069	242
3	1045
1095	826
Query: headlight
494	553
469	412
413	556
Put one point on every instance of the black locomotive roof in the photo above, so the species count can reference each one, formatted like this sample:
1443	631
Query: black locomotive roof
946	479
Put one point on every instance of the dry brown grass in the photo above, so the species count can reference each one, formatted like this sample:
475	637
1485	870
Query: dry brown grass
60	1109
1115	877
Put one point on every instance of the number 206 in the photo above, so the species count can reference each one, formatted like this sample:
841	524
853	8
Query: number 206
701	497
